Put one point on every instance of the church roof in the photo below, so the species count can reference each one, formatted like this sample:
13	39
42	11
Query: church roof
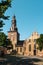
20	43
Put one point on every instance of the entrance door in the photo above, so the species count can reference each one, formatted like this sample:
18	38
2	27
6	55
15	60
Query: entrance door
34	52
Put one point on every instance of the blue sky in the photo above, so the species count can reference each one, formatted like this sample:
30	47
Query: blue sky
29	16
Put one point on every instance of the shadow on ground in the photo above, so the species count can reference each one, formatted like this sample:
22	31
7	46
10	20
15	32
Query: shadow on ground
13	60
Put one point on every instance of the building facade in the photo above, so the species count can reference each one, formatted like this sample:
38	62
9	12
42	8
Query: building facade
26	47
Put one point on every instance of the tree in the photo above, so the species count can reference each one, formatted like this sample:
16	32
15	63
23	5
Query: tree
4	5
8	44
39	41
4	41
3	37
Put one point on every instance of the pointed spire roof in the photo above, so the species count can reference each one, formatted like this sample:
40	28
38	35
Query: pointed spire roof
13	25
14	17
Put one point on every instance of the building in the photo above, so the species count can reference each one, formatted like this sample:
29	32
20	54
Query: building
23	47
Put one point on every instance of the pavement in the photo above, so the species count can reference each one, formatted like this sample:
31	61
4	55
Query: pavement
35	60
26	57
21	60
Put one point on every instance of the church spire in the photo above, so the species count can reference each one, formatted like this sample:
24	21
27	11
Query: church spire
13	26
14	21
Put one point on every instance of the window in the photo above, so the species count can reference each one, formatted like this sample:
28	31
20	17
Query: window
29	47
20	49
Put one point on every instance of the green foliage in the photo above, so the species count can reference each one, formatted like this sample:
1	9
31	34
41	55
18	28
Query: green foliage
3	40
4	5
8	42
1	23
40	42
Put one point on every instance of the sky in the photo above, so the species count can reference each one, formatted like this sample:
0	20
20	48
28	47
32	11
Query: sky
29	17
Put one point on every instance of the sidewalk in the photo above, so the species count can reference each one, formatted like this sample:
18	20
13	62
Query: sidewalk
38	63
24	57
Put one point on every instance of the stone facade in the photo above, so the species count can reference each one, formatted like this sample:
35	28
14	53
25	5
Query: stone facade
26	47
30	44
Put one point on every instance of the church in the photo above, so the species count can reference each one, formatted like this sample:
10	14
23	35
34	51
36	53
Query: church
26	47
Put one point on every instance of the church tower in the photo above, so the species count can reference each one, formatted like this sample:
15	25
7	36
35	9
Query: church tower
13	34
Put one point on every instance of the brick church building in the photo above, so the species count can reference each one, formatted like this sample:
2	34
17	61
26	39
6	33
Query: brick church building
23	47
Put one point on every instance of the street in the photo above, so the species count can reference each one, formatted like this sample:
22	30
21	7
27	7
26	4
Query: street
19	60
